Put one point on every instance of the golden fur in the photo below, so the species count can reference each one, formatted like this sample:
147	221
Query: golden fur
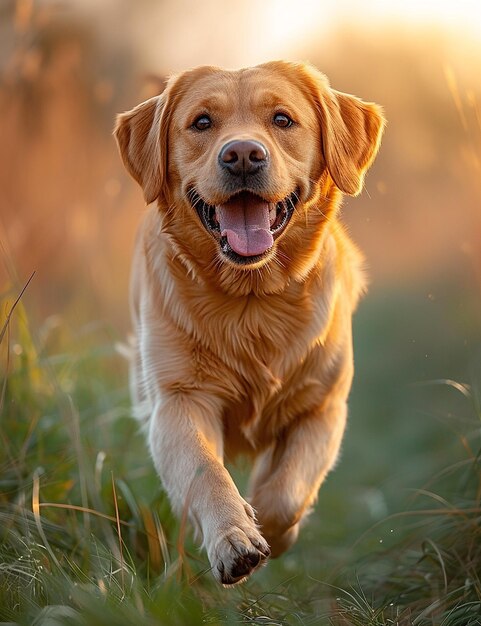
253	358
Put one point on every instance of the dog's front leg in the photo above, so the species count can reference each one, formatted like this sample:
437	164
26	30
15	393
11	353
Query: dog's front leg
186	444
288	475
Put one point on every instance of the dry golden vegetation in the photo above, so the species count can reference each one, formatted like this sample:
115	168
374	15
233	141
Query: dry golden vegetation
69	212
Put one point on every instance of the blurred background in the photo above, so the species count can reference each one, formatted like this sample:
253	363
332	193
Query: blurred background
69	211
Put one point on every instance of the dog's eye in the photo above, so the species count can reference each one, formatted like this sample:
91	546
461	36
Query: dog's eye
202	122
282	120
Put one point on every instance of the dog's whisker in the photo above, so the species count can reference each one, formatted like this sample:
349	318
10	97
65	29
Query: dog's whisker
277	259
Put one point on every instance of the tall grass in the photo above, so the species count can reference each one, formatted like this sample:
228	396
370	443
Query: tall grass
86	533
433	575
72	530
87	536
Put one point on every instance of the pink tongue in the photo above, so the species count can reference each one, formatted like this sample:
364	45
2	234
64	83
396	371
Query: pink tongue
244	220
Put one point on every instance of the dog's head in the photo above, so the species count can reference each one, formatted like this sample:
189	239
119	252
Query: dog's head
246	164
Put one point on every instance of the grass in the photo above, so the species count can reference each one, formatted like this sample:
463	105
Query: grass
86	533
87	536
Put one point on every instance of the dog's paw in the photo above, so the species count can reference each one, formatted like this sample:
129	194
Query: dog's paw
237	553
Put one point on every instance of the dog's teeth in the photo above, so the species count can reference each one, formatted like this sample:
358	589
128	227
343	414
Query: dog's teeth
272	214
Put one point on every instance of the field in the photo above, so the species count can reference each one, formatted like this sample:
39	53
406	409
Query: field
87	535
86	532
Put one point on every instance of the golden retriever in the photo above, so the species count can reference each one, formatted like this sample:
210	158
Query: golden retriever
243	287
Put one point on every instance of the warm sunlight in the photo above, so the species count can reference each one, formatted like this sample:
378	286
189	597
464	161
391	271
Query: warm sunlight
284	23
288	30
250	32
240	338
464	13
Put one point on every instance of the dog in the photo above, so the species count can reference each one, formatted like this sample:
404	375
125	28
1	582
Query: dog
243	286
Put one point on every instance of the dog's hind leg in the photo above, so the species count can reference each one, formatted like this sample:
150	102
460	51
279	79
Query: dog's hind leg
288	475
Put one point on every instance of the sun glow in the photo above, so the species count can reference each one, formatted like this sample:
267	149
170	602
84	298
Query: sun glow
445	13
172	35
284	22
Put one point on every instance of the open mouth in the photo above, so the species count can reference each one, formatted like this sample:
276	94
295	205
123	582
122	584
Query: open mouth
246	225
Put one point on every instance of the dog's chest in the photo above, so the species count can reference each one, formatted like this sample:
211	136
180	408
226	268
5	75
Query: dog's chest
251	352
264	345
262	338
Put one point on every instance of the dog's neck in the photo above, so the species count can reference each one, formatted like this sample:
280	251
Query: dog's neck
274	277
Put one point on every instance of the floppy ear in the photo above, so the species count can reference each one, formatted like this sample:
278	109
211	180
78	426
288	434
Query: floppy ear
351	133
142	139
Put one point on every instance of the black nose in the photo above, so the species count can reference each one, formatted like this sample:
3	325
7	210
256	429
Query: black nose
244	157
